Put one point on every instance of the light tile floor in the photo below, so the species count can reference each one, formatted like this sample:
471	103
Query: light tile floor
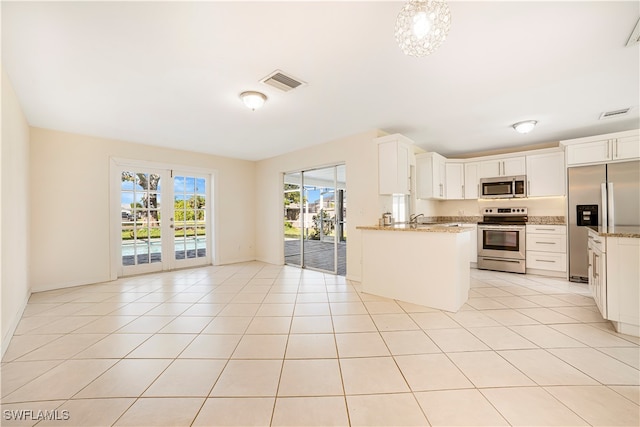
257	344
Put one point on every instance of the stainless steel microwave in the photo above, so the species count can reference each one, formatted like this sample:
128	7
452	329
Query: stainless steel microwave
503	187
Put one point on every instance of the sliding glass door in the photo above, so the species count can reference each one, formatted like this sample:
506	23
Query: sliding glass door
315	219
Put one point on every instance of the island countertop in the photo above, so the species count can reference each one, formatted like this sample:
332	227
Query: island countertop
423	228
631	231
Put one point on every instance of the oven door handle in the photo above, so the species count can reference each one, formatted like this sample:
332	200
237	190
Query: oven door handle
502	260
502	227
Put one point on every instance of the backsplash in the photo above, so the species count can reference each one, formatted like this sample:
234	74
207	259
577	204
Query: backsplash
539	206
536	220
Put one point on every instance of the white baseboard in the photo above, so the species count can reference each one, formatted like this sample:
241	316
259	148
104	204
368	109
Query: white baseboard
354	278
6	340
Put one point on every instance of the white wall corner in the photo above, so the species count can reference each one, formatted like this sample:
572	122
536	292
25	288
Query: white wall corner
6	339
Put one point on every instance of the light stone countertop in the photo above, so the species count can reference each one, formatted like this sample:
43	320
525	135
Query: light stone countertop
630	231
423	228
546	220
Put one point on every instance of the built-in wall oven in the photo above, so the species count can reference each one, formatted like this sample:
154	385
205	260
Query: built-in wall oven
501	240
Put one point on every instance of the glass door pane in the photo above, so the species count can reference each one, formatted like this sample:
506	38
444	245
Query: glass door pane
341	220
319	189
293	219
189	220
141	228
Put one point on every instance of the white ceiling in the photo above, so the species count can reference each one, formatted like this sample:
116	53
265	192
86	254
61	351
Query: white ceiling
169	73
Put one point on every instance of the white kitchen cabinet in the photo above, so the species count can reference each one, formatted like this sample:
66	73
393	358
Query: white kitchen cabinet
598	270
394	164
546	249
626	147
507	166
474	244
454	180
430	176
471	180
588	152
623	284
603	148
546	175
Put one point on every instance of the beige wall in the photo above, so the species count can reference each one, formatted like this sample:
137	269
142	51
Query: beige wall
359	154
14	214
70	193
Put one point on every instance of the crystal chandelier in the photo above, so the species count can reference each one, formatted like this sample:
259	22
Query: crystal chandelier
422	26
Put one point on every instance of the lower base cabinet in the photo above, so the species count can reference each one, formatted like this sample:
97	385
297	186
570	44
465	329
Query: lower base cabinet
546	250
623	284
597	258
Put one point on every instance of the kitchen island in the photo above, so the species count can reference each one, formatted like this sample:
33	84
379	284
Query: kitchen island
420	264
614	275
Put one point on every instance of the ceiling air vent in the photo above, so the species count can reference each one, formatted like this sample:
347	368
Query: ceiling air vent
282	81
614	113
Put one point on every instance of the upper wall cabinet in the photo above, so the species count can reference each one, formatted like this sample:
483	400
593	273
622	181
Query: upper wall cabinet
546	174
502	167
395	154
430	176
471	180
603	148
627	147
454	180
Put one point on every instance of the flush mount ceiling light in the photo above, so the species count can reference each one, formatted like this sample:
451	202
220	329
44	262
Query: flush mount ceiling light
525	127
252	99
422	26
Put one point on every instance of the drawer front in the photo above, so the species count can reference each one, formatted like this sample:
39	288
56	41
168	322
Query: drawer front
547	242
546	261
597	242
547	229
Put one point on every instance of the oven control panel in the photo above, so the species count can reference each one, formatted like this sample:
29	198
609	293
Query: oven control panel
505	211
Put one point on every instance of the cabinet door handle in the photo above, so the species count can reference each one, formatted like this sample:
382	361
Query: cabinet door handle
544	260
546	243
463	195
615	148
544	229
528	187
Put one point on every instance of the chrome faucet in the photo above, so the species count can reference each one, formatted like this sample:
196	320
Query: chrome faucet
413	219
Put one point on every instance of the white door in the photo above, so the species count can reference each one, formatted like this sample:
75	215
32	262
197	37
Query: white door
162	218
141	219
189	220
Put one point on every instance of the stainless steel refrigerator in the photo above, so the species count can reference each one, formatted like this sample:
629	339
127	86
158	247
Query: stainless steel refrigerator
603	195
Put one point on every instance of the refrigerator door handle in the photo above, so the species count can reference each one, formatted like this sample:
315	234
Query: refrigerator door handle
610	205
603	203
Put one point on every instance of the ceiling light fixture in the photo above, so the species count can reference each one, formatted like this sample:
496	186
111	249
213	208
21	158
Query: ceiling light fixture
525	127
422	26
253	100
